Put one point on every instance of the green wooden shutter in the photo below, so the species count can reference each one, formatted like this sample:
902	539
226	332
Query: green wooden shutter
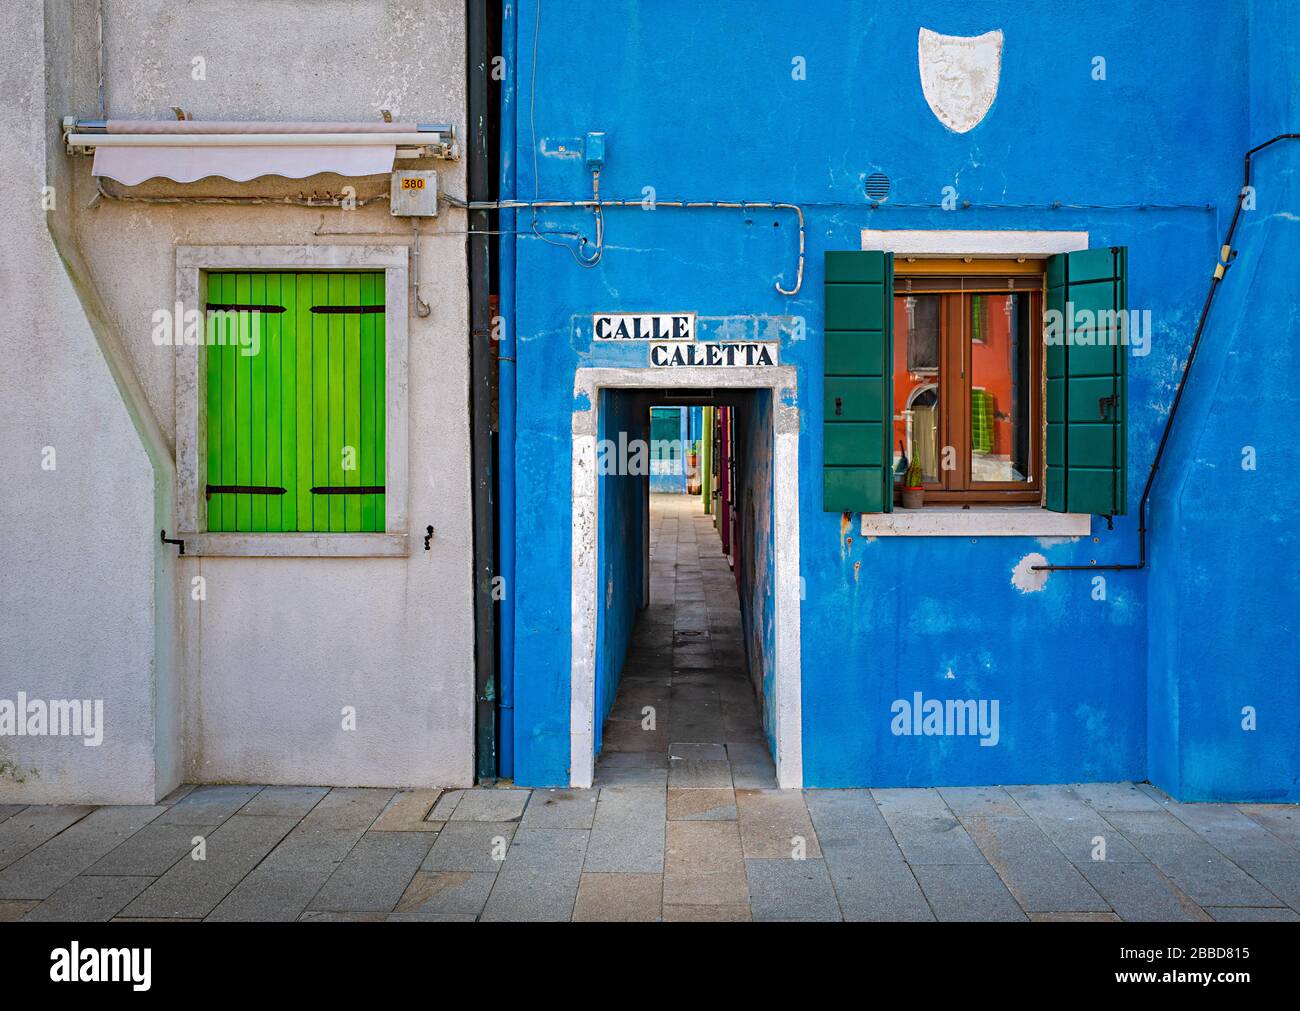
295	432
1087	372
857	429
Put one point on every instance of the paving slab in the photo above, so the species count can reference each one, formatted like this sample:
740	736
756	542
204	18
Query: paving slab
179	794
1037	874
1138	892
89	899
151	852
282	885
707	914
442	810
479	846
774	824
698	752
487	804
980	802
438	893
1283	820
632	759
627	835
791	890
874	891
926	831
850	826
1232	833
654	779
375	873
208	806
967	892
12	910
1109	797
10	809
539	879
1280	877
1242	914
1078	829
193	888
53	864
560	809
619	897
689	774
285	801
25	830
701	805
408	811
1196	867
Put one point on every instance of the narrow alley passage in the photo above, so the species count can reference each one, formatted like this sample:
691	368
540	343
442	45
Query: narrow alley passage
685	704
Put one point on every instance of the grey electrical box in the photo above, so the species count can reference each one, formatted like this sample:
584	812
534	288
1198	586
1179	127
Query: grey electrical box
414	194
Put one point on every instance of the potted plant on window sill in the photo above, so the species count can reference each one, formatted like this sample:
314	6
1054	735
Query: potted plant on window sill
913	490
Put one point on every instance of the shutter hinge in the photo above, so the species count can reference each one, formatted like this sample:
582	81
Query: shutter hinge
162	534
428	536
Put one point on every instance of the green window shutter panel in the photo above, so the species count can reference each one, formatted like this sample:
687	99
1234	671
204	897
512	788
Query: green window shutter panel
857	406
1087	384
295	405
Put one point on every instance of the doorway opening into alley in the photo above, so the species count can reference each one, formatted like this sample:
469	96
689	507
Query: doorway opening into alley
685	593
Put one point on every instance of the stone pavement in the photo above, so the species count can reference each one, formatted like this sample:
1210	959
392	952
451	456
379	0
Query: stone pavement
684	823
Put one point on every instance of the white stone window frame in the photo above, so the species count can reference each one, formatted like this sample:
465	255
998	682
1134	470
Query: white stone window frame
193	263
975	520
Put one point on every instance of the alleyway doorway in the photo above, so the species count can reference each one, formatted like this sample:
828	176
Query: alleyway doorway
685	701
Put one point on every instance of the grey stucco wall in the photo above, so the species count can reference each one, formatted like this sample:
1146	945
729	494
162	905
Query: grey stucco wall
258	673
81	580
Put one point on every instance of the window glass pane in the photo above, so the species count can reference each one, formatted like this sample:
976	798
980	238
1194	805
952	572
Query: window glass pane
1001	387
916	382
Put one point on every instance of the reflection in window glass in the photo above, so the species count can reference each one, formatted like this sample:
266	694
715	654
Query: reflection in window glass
1000	388
916	379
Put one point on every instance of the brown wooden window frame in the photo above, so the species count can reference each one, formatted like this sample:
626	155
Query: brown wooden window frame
955	282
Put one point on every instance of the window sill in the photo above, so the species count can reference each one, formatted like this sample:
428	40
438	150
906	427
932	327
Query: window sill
977	521
367	545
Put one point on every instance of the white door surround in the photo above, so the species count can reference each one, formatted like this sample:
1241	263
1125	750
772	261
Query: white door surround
588	384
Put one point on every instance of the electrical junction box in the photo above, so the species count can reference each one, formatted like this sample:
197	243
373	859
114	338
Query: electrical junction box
594	151
414	194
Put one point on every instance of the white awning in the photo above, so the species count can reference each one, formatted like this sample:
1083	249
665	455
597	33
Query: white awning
132	151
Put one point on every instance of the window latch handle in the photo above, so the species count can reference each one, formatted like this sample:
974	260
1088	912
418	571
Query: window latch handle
839	405
1104	404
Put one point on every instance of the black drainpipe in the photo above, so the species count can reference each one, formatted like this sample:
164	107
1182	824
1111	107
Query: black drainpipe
1226	255
477	60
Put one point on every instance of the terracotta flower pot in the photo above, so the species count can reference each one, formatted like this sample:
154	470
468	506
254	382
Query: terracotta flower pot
913	498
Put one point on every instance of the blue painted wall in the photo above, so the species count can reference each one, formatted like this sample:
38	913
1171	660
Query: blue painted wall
698	103
621	539
756	586
1225	575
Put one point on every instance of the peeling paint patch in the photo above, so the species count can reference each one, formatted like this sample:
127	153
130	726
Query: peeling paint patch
1023	576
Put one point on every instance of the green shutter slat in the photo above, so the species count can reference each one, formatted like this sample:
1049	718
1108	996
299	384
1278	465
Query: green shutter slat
243	406
352	399
257	403
320	402
212	420
380	405
288	405
274	407
305	407
857	408
366	450
1087	393
229	351
335	474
